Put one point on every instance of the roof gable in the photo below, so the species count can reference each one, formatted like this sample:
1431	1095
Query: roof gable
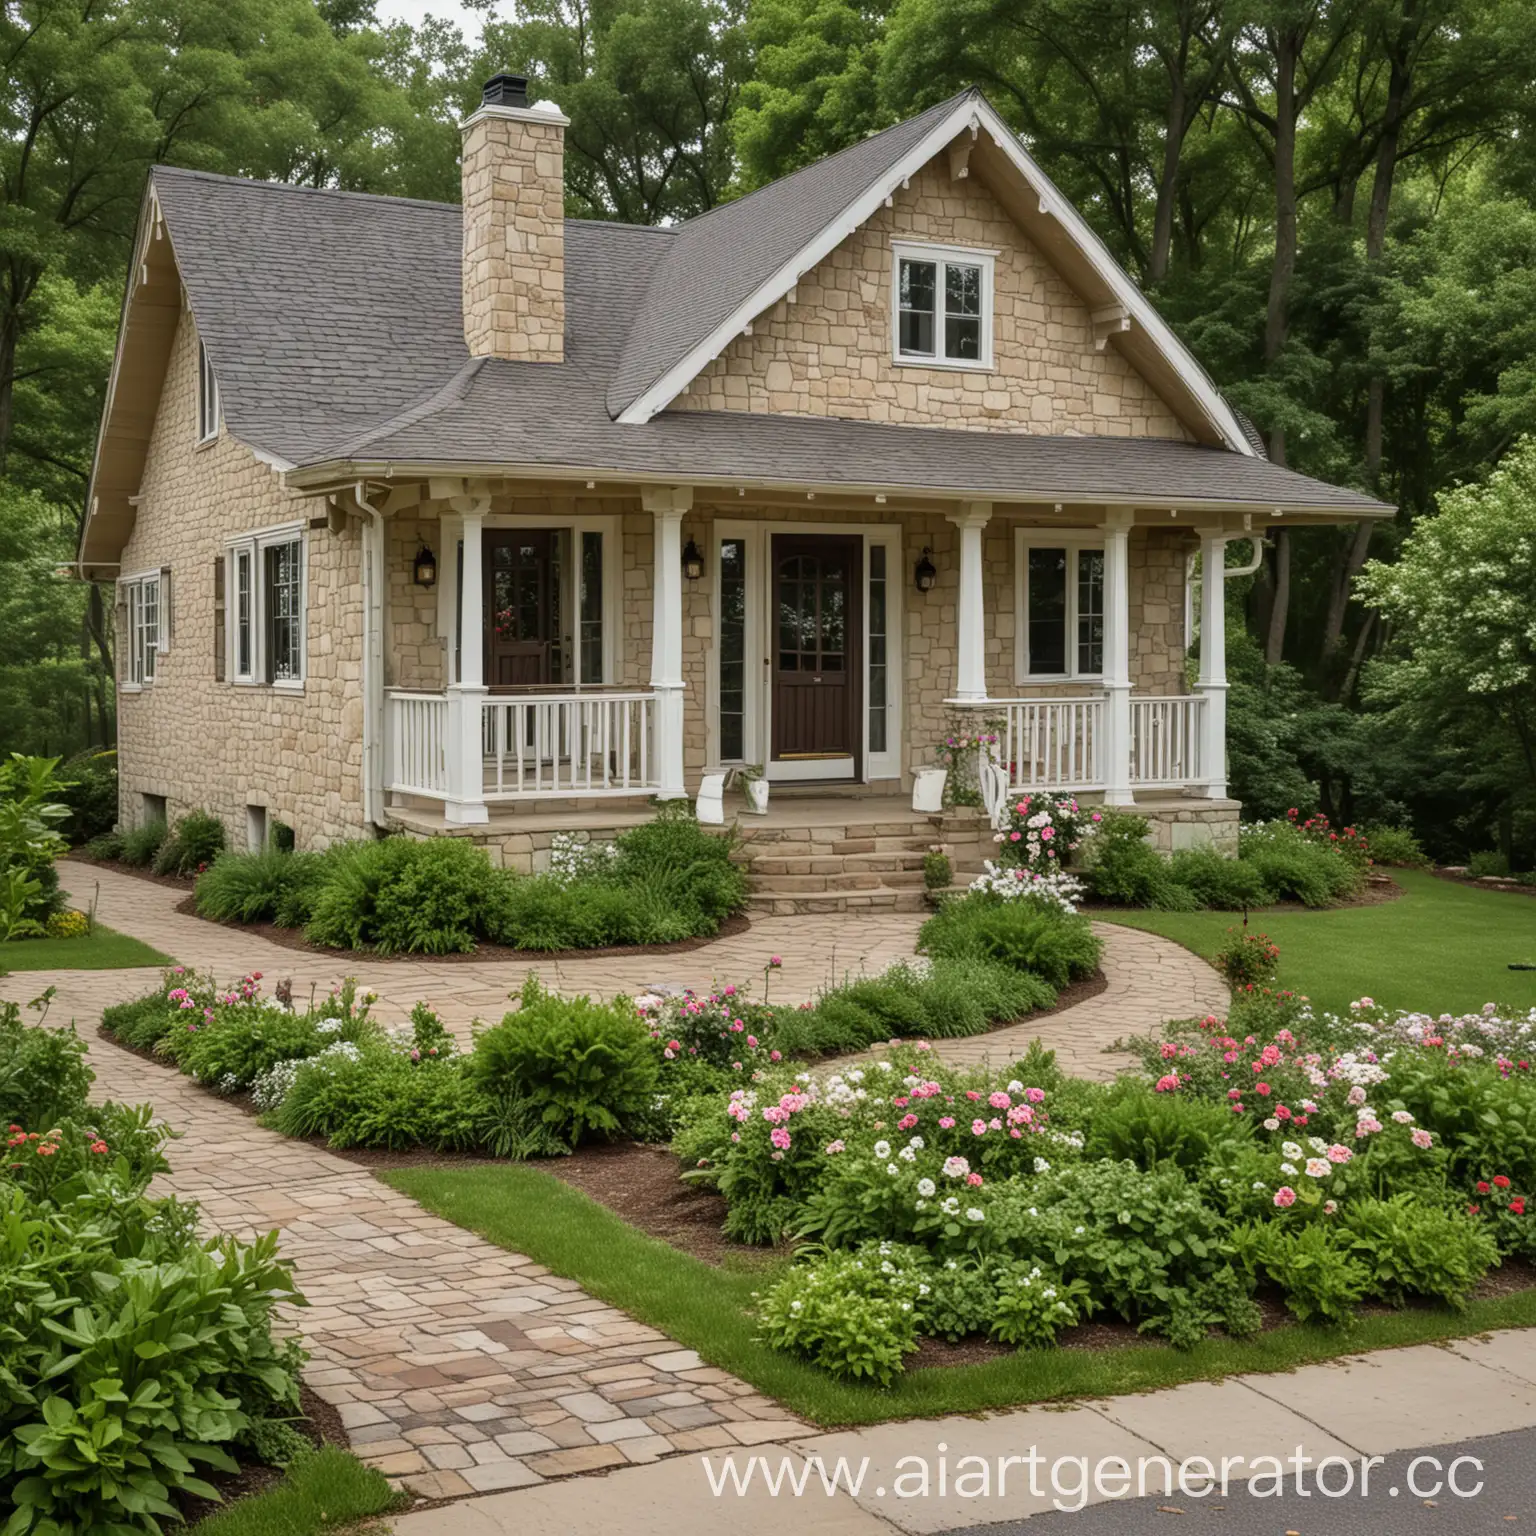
780	233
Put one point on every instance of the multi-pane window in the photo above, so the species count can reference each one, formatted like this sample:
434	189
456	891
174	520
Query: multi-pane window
1063	604
733	649
141	597
282	591
943	307
878	637
265	608
207	396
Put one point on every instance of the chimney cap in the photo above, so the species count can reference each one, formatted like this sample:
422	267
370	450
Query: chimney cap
505	90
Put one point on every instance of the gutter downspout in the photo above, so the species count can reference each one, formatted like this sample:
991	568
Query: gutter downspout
1192	582
373	544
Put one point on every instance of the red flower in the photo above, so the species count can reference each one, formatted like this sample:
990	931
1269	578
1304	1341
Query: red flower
1472	1210
1482	1186
1500	1181
1517	1205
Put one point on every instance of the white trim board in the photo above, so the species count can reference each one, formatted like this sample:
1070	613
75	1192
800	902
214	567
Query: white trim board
969	115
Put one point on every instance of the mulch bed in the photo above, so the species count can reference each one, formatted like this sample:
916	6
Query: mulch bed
1483	885
293	938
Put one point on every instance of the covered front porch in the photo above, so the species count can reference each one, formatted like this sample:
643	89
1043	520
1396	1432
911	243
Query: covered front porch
630	641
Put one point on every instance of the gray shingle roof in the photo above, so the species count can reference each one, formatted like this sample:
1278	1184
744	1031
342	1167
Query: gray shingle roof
335	326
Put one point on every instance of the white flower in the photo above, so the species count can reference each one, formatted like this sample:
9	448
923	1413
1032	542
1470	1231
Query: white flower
1288	1168
956	1167
1290	1149
1318	1167
892	1169
975	1213
1402	1117
908	1154
1041	1166
882	1150
1271	1124
917	1143
926	1187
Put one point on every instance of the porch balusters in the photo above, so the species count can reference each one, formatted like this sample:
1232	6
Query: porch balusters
465	804
667	505
1212	684
1115	765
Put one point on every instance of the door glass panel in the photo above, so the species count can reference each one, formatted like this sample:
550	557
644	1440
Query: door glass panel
1048	612
1090	611
877	647
733	649
591	604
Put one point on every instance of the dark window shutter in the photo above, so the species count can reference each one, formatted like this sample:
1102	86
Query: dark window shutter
167	610
218	619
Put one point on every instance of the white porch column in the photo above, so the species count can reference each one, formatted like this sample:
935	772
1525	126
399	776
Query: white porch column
1212	685
465	805
970	617
667	505
1115	765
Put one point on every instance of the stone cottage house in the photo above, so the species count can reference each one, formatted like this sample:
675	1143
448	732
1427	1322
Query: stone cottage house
481	520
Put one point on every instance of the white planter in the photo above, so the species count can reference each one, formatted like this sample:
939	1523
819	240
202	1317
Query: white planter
928	789
757	796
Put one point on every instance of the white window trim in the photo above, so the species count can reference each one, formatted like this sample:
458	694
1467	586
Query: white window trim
1074	541
209	406
130	594
960	255
255	545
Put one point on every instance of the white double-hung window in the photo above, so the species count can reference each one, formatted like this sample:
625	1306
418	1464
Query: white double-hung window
1061	596
141	602
943	306
266	607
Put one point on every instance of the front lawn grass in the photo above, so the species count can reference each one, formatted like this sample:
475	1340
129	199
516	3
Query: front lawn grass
1441	947
100	950
319	1493
527	1211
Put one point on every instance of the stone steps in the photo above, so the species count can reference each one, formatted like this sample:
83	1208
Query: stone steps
832	903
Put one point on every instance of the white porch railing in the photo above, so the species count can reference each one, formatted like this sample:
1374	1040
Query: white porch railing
532	745
1060	744
416	743
569	744
1050	743
1166	742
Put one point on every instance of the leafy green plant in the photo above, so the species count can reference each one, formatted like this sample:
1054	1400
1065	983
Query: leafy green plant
30	840
90	792
1155	1130
585	1068
1125	870
105	845
1320	1276
1397	846
193	844
140	844
1487	863
1247	961
1229	885
43	1075
1045	941
1033	1306
938	872
1413	1249
269	886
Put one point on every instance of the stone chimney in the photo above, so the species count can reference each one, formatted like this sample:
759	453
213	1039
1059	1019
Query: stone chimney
514	226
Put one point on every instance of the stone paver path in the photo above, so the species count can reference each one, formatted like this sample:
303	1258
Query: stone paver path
456	1366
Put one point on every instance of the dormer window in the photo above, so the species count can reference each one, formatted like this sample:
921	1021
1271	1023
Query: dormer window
207	397
943	306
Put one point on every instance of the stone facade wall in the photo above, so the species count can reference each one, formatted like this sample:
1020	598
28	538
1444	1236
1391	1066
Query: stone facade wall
415	656
514	236
829	353
222	746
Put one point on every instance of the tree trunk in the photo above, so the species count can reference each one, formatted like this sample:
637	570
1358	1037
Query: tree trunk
1274	639
10	331
1167	185
1338	599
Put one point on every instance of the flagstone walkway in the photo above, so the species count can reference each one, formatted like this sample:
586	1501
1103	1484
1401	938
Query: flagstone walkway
456	1366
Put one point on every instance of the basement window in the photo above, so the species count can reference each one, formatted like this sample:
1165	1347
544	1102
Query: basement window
943	306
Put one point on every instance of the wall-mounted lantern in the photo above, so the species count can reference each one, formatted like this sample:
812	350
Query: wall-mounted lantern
693	561
925	575
425	569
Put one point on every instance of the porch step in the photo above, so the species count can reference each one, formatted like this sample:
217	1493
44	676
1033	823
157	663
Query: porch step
841	880
815	862
831	903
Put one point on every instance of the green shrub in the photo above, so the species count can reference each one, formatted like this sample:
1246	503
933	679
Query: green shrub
1034	1305
1155	1130
1486	863
195	842
244	1040
1411	1249
1298	868
68	925
143	1022
43	1075
852	1312
1312	1265
681	865
540	913
938	872
259	887
1396	846
1025	935
1247	961
1229	885
30	816
376	1096
580	1067
142	843
1125	870
90	792
399	896
105	845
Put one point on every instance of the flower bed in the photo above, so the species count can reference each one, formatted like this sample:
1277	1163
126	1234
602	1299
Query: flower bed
1331	1161
138	1358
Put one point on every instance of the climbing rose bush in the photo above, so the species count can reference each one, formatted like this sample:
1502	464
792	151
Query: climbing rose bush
1041	832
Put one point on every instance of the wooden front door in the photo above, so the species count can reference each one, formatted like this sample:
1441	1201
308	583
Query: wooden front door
817	651
522	607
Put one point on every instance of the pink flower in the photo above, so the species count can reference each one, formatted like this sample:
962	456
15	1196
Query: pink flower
999	1100
1035	1095
780	1139
774	962
1285	1196
946	1122
978	1127
834	1147
974	1180
906	1122
1339	1154
1166	1084
1421	1139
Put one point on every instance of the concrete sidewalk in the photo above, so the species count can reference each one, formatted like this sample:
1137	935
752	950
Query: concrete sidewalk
1362	1406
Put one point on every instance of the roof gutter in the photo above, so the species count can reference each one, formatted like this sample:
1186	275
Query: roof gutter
342	474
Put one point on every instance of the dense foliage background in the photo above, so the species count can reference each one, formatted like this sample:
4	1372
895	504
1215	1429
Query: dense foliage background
1333	200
